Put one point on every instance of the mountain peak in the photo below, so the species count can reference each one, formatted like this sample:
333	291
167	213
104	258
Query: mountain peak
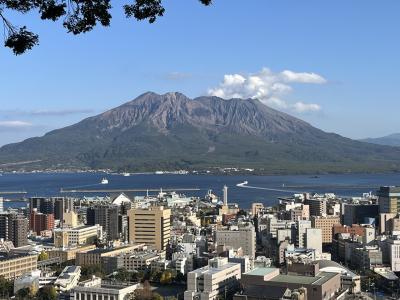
172	131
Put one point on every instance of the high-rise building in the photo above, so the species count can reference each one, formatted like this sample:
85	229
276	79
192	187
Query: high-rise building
360	213
301	228
107	217
317	207
62	205
1	204
150	226
326	225
14	228
389	199
42	205
18	229
40	221
244	238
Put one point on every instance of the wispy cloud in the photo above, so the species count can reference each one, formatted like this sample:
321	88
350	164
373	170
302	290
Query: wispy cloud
15	124
45	112
269	87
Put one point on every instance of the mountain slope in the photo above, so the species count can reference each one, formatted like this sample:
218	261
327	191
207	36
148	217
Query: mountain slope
172	131
389	140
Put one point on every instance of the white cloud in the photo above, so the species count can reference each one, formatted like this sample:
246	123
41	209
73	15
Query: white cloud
45	112
291	76
269	87
301	107
14	124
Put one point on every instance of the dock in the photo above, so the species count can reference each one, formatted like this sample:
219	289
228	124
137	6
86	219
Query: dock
12	192
128	190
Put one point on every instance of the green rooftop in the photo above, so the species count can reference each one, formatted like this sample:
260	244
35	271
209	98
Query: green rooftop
261	271
320	279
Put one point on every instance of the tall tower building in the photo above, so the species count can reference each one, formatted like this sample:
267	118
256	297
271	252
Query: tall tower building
151	226
107	217
62	205
14	228
18	229
225	190
389	199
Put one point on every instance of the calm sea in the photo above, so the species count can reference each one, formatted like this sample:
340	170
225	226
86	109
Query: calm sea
265	189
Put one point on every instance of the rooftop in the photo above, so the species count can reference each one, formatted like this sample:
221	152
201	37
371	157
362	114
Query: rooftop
261	271
320	279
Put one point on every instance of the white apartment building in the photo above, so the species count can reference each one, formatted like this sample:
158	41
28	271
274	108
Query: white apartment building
68	278
394	253
219	278
302	226
314	239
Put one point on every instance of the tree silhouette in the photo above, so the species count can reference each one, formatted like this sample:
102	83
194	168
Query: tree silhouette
79	16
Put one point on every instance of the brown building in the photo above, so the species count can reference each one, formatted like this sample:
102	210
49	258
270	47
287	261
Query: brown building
14	265
14	228
40	222
325	224
322	285
354	229
150	226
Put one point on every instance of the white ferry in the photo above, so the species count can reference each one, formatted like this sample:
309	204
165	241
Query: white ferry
104	181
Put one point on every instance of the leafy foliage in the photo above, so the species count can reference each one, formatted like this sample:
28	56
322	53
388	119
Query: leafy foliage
6	287
88	271
43	256
47	292
80	16
145	293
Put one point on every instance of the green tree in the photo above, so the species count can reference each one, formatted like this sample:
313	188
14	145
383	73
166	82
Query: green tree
43	256
92	270
6	287
25	293
156	296
78	16
123	275
47	292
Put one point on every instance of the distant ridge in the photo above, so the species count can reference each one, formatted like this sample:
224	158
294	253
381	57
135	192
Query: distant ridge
172	131
388	140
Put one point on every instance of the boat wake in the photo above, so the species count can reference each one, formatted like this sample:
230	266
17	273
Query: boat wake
246	186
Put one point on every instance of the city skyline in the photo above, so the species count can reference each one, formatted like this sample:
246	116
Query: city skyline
325	63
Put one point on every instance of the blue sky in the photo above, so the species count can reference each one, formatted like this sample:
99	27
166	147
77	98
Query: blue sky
350	47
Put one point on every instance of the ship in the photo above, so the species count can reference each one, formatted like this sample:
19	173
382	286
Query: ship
104	181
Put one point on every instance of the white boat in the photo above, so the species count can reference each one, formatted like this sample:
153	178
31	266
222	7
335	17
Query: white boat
104	181
126	174
242	183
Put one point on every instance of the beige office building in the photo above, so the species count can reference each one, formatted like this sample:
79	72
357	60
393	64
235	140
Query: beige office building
326	225
15	265
93	257
150	226
77	236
